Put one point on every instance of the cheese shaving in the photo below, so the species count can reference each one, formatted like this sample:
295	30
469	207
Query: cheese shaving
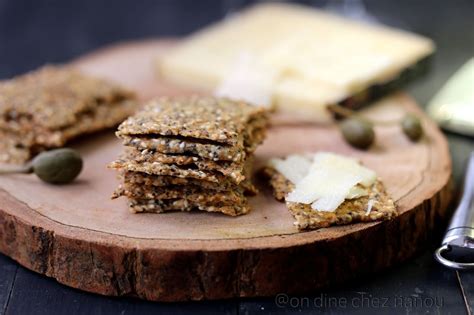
357	192
248	80
326	181
294	167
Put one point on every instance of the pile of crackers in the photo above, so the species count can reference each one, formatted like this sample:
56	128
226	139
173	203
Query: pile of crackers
191	153
46	108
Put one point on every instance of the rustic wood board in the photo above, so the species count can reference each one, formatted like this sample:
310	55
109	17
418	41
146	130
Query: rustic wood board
77	235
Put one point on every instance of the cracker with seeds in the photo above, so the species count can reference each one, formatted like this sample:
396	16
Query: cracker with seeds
254	135
156	168
194	194
377	206
171	181
47	108
160	206
177	146
219	120
232	169
374	204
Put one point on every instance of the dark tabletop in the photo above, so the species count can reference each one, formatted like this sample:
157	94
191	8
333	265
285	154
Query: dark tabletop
33	33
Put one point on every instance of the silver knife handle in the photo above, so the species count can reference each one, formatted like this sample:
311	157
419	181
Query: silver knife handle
460	233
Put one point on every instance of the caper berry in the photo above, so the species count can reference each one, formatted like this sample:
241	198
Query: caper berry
358	132
411	126
59	166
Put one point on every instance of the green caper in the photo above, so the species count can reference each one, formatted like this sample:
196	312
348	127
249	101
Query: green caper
411	126
60	166
358	132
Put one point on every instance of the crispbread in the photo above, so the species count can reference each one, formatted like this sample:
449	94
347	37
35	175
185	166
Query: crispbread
161	169
350	211
192	194
102	117
18	147
178	146
234	170
220	120
167	181
253	136
47	108
53	97
160	206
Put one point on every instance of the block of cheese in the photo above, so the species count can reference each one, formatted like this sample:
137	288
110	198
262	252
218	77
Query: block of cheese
310	58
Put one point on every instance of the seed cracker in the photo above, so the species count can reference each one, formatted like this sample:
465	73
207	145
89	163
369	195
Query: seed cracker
177	146
160	206
376	206
200	148
234	170
47	108
215	119
192	194
170	181
21	147
53	97
157	168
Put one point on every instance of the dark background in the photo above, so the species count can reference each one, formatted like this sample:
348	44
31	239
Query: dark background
33	33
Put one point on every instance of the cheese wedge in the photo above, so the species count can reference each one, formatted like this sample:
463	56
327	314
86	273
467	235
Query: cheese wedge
313	58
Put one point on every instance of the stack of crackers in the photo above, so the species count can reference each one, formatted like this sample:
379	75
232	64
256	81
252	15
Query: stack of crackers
190	153
46	108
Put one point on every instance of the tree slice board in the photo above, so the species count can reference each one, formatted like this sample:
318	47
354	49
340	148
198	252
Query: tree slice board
79	236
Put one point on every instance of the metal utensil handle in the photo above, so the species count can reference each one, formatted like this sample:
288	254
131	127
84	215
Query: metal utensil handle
460	233
449	263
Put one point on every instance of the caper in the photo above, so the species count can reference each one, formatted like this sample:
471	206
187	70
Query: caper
411	126
59	166
358	132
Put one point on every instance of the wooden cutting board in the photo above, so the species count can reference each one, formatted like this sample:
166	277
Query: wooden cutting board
79	236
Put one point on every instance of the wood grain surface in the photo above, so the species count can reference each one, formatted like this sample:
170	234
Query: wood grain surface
79	236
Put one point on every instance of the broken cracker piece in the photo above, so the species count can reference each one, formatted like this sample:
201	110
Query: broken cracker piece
374	205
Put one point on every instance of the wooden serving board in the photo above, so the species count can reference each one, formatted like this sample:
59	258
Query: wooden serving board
79	236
